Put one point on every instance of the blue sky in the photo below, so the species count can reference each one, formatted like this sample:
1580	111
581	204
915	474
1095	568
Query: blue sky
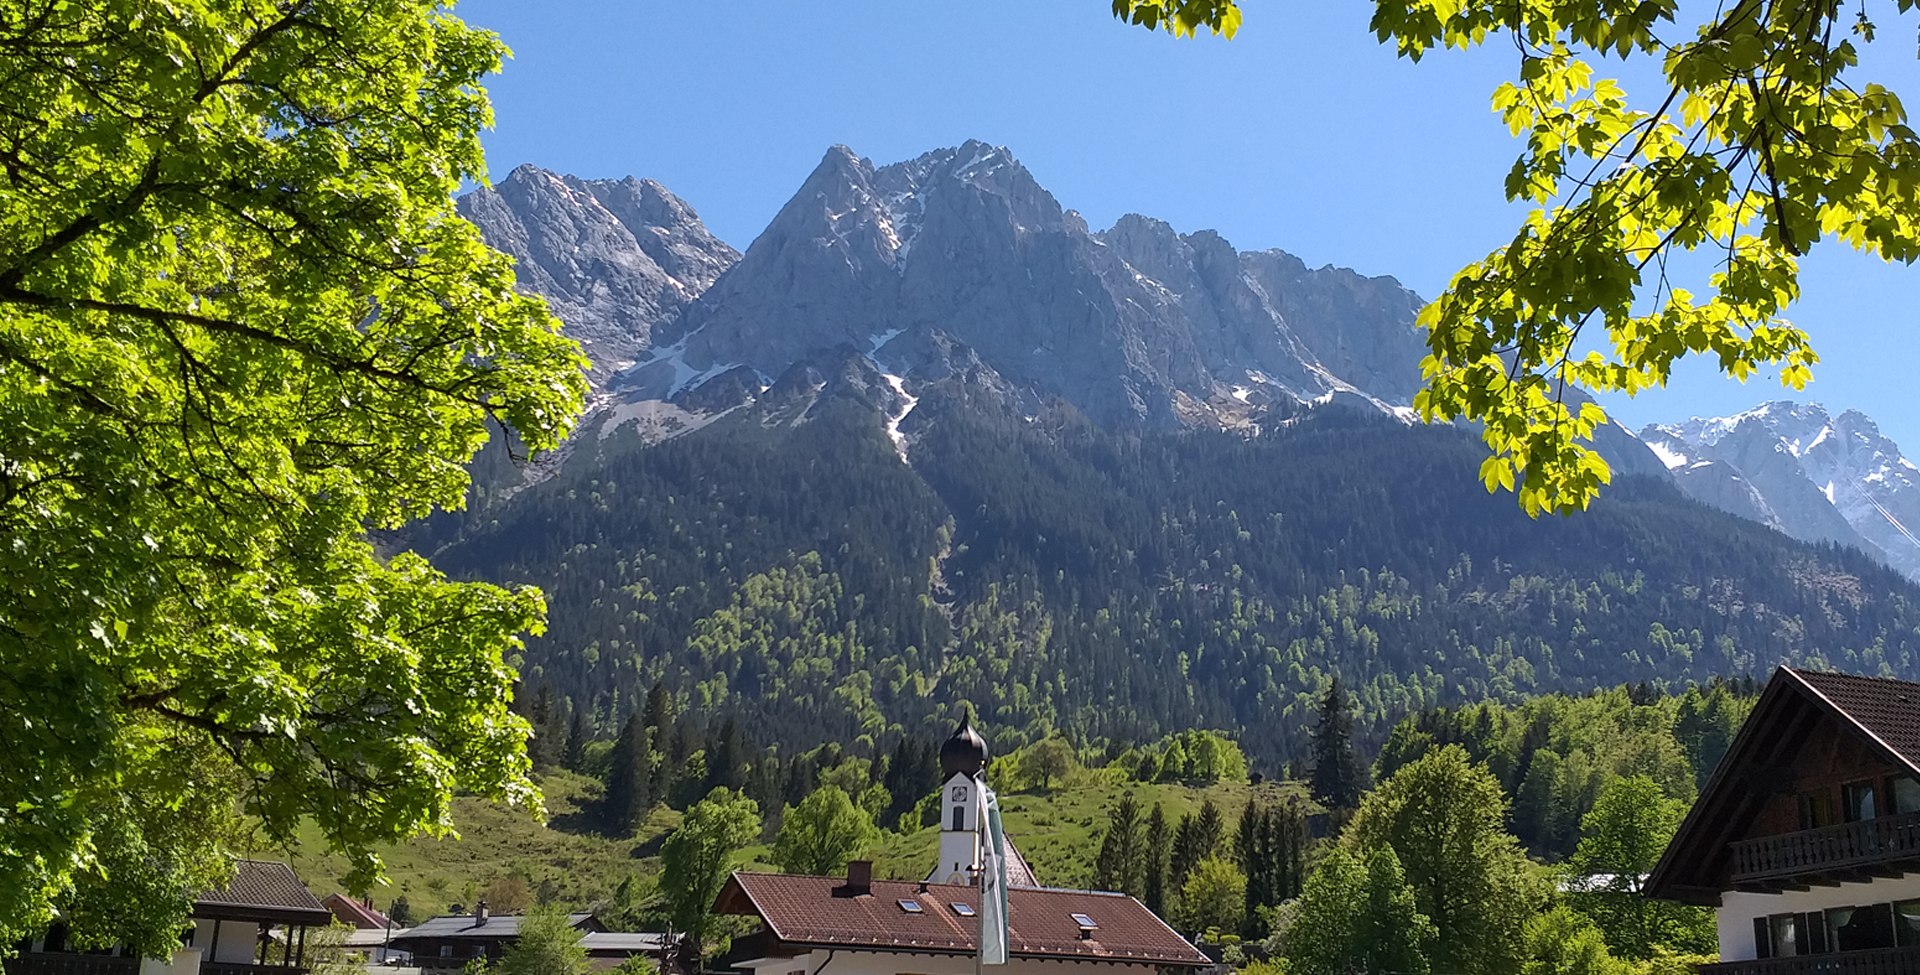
1302	133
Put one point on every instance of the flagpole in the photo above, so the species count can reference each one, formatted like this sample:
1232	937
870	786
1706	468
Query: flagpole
980	867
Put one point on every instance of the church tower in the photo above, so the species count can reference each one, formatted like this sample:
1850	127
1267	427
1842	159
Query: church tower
963	766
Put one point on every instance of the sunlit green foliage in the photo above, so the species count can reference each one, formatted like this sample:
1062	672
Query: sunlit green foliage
1445	819
1358	914
698	857
239	325
1760	141
1620	841
821	834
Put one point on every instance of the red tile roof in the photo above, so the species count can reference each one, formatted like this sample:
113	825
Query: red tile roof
354	914
805	912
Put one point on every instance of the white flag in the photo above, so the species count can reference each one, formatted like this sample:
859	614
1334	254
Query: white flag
993	879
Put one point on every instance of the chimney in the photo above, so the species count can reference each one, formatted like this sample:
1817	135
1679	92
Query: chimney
480	913
859	877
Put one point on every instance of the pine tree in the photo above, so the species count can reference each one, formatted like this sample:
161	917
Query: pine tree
1186	852
576	751
1252	842
1118	866
630	766
1338	778
658	716
542	748
1211	829
726	754
1154	865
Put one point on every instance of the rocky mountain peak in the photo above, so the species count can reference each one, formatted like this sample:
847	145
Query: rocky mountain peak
614	258
1808	473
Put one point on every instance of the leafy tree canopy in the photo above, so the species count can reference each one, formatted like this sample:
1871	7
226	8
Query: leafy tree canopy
696	859
1444	818
1358	915
240	324
821	834
547	945
1760	141
1214	896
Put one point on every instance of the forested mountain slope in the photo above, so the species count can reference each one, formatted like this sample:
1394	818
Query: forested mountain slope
783	564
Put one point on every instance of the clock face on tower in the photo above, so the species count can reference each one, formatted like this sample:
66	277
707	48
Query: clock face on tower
959	793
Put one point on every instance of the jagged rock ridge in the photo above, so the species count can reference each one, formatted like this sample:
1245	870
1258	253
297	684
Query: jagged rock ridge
956	266
614	258
1813	476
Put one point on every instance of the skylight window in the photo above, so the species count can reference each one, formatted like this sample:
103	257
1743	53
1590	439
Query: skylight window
911	907
1085	922
962	909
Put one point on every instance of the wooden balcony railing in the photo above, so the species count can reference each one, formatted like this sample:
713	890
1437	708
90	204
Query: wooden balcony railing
1828	849
64	963
1880	961
231	968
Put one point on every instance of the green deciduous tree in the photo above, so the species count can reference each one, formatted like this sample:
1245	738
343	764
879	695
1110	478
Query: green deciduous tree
1444	819
1214	896
697	858
821	834
548	944
1358	915
240	324
1620	840
1045	760
1564	942
1759	141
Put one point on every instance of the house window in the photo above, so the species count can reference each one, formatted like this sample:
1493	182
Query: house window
1858	928
1857	802
1906	923
1813	810
1786	935
1905	790
446	951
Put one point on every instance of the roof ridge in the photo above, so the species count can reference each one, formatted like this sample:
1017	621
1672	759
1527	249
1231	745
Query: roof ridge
1902	757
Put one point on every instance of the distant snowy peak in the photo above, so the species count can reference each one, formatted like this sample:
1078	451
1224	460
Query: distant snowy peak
1814	473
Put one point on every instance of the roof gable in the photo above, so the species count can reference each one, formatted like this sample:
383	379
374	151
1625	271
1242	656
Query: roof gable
353	913
263	890
817	911
1884	713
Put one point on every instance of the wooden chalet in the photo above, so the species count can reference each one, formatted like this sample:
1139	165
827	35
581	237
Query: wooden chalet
1806	840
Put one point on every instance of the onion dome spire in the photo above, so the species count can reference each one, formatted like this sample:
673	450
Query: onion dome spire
965	753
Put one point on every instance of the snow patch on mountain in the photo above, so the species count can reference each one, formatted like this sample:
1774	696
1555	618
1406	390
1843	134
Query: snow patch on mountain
1821	477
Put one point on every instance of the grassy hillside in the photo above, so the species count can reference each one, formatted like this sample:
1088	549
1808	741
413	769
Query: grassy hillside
1059	831
507	851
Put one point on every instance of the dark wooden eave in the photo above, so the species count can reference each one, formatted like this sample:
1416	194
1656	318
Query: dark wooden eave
1757	767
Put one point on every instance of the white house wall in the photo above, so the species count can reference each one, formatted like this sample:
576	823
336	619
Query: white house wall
901	963
239	941
1737	910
